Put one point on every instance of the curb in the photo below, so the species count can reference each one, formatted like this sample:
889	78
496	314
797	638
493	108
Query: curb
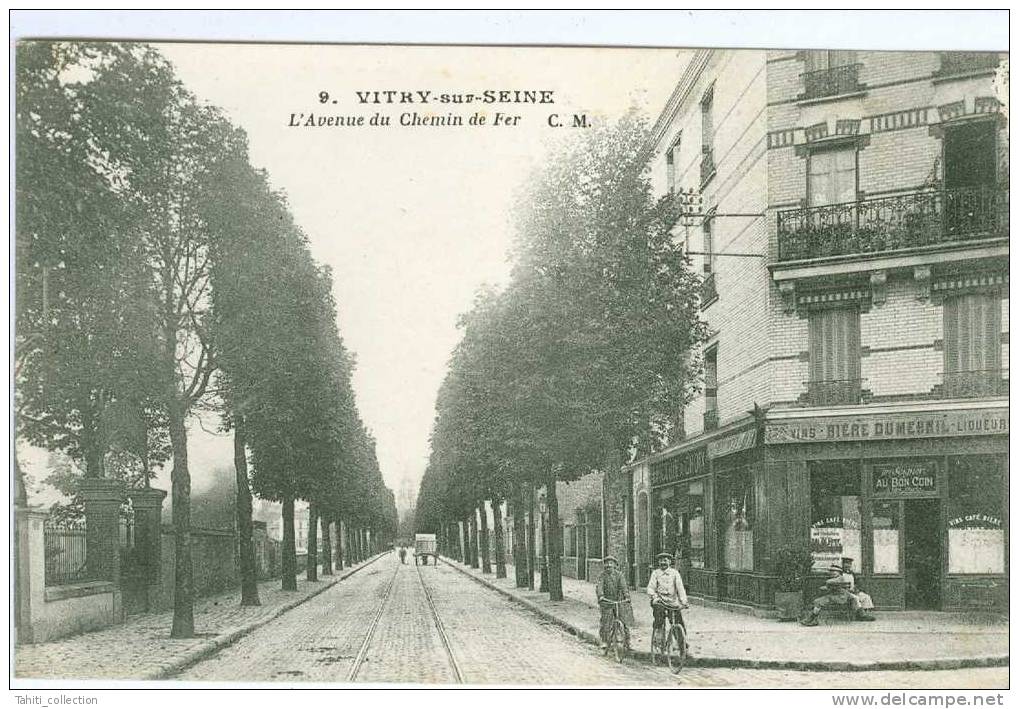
948	663
219	642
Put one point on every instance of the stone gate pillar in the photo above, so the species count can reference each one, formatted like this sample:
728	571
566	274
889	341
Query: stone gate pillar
102	498
148	547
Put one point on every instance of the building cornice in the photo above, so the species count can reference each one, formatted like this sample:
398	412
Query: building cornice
679	96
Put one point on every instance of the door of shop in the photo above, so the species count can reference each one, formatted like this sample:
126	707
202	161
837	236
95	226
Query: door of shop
922	554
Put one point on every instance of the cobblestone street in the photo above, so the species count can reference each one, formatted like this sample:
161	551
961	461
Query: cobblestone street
492	640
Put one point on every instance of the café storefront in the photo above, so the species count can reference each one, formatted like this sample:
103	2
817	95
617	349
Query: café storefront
915	494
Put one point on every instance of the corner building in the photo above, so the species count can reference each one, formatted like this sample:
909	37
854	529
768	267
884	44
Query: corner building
854	247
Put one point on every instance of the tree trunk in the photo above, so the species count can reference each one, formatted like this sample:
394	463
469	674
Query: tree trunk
500	542
249	572
486	557
327	548
339	545
475	547
531	551
311	567
183	573
554	551
289	577
519	537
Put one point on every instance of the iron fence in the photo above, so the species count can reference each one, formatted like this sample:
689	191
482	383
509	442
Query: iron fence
974	383
832	81
65	557
916	219
965	62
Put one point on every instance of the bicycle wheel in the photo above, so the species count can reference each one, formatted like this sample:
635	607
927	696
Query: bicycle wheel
675	650
617	640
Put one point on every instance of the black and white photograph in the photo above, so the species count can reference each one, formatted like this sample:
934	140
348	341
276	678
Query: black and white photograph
675	365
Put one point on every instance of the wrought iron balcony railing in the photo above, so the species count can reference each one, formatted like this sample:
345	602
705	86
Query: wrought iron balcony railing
974	383
709	293
707	163
831	392
836	80
918	219
966	62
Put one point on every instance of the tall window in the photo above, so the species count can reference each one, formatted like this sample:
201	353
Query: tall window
707	120
831	177
711	388
969	151
709	247
834	356
671	156
972	345
707	135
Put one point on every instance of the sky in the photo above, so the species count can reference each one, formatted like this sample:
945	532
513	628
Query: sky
412	220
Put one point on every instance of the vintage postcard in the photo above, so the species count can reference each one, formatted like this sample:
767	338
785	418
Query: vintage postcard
674	367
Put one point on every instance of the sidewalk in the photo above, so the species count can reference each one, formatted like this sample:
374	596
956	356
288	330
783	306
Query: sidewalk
141	648
718	638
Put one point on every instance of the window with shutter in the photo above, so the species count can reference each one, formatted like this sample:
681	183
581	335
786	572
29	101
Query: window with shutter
972	345
834	346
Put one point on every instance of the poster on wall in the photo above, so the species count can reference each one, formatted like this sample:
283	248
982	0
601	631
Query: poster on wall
976	544
836	537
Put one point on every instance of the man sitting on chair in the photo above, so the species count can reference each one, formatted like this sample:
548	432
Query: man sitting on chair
836	595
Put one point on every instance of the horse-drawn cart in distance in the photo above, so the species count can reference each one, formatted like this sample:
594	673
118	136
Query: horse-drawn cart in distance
424	547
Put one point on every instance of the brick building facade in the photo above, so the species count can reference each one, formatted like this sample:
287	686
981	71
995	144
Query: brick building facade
855	256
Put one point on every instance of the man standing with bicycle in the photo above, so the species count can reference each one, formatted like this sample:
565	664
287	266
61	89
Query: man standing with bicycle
611	589
668	595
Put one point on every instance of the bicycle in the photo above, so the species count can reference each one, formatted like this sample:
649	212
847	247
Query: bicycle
670	640
617	642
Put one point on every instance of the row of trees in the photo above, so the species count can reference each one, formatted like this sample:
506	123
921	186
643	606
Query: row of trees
159	278
584	361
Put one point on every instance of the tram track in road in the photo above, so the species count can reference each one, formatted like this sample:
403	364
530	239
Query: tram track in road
362	652
454	666
381	640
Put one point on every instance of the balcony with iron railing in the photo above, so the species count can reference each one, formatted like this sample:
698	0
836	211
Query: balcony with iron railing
834	392
974	383
833	81
920	219
956	63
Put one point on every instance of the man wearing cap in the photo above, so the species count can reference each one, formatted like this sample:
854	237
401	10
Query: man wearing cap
611	589
668	595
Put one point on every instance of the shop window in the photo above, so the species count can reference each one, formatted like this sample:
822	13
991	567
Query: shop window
692	524
976	531
835	514
831	177
665	521
738	521
884	522
834	346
